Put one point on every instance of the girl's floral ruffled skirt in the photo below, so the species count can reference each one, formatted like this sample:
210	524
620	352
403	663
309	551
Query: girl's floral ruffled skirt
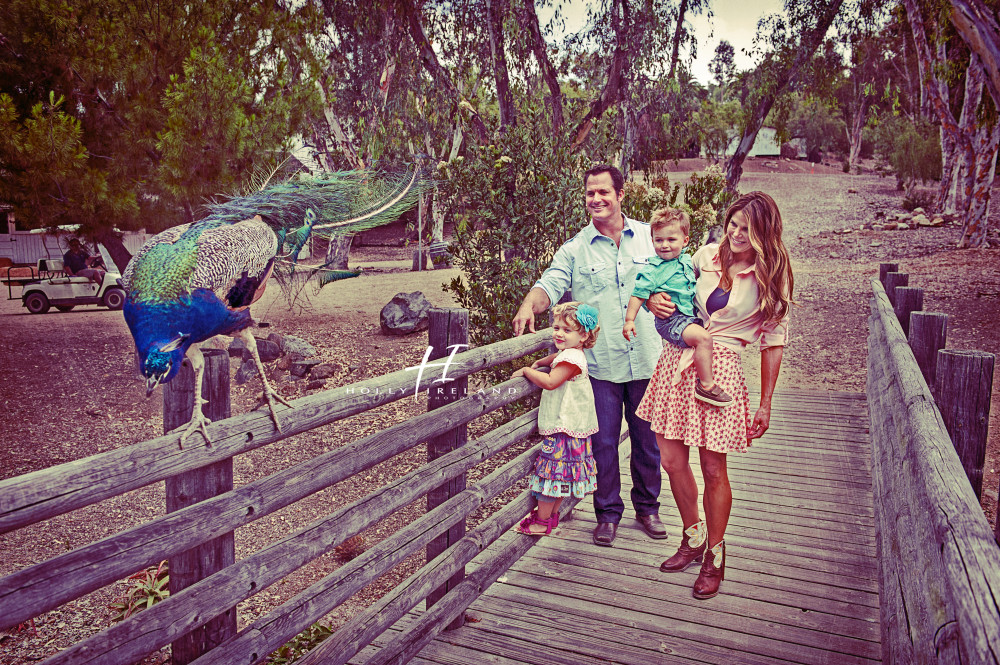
564	467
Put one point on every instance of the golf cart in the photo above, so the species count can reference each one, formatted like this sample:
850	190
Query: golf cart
47	286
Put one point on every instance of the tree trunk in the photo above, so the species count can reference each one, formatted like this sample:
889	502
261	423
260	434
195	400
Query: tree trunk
978	145
856	130
675	54
505	99
974	226
616	85
981	32
784	76
949	198
549	75
338	252
437	218
629	122
116	248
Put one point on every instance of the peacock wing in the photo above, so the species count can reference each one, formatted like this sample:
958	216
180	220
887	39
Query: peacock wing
235	260
134	267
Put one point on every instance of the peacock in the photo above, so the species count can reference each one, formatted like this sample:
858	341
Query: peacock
195	281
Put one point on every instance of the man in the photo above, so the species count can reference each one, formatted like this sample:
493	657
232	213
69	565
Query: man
598	266
78	263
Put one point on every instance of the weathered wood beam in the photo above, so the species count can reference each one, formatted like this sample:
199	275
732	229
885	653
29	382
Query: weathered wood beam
161	624
47	585
271	631
43	494
408	644
949	582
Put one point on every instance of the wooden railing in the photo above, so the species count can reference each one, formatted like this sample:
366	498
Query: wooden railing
37	496
939	564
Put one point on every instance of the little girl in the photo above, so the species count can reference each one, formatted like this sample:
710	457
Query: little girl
566	417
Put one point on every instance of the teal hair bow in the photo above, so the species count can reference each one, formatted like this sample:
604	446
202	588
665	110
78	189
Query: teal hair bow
587	316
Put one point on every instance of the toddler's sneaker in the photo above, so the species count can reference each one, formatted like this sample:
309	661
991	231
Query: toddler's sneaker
716	396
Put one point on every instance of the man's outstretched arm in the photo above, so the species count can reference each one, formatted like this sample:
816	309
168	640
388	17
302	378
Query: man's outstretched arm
536	302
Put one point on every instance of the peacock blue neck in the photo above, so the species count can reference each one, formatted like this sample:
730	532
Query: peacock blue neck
200	315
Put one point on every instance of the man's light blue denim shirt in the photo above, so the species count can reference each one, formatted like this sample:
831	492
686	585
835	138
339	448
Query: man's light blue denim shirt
603	275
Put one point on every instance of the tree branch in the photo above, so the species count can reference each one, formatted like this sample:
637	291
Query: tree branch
430	62
539	48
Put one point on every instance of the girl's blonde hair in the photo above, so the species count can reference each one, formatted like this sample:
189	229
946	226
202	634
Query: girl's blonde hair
772	264
567	312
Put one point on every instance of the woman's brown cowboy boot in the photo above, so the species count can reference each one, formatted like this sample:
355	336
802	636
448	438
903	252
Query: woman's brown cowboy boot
691	550
711	575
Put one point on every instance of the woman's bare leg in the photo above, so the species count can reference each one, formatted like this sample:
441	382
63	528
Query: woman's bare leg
674	460
718	499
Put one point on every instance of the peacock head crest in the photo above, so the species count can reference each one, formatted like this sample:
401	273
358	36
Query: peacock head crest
162	363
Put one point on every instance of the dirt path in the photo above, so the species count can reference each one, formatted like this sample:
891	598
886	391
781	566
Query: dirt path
70	388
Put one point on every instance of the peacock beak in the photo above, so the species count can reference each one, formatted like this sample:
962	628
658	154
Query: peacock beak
151	383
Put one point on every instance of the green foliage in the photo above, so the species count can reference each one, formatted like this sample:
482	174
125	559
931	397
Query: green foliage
641	200
147	108
919	199
715	122
708	190
145	589
814	120
913	149
300	645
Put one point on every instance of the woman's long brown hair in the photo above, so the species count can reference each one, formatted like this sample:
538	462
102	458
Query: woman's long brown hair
773	266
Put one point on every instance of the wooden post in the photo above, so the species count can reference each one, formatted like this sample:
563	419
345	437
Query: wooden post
908	299
884	268
927	336
447	328
892	281
188	488
964	387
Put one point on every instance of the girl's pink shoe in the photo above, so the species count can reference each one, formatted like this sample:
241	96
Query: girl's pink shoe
549	524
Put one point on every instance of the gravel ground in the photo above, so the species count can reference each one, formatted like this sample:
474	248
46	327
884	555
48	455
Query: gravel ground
70	389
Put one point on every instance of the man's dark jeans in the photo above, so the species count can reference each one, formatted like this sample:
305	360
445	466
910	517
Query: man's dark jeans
609	398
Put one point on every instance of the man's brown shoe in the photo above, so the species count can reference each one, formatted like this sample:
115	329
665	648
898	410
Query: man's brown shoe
713	570
652	525
604	534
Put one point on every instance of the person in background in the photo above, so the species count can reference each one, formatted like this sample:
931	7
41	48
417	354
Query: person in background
78	263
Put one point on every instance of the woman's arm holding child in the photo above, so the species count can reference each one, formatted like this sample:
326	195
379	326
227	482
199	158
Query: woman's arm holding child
559	375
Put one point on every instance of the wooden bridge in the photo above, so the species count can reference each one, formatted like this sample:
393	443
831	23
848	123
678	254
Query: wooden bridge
855	538
801	574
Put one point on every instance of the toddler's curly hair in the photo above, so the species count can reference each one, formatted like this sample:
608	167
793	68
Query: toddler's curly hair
567	312
667	216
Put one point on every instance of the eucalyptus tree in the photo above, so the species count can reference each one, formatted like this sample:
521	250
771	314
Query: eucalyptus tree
970	136
977	22
786	43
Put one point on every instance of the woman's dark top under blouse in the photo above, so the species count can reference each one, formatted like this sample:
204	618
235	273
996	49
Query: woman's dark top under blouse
717	300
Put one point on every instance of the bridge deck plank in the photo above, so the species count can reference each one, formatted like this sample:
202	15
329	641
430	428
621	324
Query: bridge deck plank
801	582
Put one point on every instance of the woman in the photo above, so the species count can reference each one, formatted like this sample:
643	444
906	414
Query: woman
743	290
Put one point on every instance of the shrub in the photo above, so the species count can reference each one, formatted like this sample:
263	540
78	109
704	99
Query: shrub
514	201
912	149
